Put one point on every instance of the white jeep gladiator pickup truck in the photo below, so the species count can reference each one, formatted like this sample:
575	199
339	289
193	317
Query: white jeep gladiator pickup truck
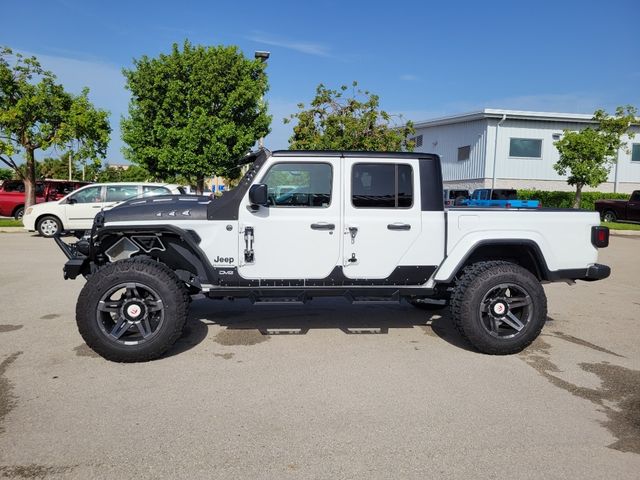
302	224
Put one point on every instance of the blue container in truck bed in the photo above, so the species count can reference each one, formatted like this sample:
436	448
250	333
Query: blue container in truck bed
498	197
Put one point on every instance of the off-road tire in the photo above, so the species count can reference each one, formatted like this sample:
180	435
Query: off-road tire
47	232
475	282
142	271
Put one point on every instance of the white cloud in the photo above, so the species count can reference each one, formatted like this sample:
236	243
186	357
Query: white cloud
551	102
408	77
544	102
309	48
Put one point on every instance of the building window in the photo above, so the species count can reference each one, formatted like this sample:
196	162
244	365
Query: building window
381	185
464	153
635	152
525	148
417	140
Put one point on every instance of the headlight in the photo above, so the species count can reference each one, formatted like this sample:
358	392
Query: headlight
29	210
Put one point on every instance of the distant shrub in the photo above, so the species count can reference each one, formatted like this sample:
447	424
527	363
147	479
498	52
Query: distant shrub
556	199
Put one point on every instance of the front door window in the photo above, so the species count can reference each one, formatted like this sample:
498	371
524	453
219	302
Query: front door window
88	195
299	185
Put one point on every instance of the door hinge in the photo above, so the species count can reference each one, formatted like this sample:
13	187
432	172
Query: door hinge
248	244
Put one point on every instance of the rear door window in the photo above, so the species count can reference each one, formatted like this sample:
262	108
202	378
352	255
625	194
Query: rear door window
382	185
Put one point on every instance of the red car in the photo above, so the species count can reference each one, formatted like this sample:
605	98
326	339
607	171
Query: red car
12	194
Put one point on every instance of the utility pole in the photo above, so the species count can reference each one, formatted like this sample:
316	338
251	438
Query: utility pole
70	165
263	56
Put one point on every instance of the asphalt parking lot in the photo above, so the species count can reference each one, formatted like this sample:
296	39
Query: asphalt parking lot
326	390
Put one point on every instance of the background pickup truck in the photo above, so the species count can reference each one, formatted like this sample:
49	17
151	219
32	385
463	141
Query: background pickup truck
498	197
12	194
365	226
613	210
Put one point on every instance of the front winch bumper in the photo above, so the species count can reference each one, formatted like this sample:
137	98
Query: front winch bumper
78	263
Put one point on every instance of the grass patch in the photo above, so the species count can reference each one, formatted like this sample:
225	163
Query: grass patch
621	226
10	222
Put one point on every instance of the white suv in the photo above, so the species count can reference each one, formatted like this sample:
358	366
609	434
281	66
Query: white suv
77	210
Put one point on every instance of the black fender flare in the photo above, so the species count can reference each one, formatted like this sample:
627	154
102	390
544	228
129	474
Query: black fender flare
182	247
542	270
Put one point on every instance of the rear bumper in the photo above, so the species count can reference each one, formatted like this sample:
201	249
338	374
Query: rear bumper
594	272
597	271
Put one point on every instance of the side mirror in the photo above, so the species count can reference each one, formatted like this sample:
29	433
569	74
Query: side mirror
72	201
258	194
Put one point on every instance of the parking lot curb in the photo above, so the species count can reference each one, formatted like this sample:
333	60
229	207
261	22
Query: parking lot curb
12	230
626	233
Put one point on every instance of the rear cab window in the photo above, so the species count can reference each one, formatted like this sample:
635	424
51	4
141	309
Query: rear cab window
13	186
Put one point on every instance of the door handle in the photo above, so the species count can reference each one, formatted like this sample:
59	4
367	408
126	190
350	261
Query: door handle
323	226
95	206
399	226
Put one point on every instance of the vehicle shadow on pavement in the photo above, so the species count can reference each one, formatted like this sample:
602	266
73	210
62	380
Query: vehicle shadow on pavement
271	320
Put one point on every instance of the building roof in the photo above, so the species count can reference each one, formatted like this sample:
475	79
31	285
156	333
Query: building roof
510	114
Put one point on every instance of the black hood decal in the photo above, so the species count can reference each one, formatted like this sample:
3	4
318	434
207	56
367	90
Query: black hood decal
164	207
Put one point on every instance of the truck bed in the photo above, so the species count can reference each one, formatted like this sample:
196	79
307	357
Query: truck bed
563	236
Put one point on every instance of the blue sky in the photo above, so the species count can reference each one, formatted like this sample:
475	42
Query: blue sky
424	59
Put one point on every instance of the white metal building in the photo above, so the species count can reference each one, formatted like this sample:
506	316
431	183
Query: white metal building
514	149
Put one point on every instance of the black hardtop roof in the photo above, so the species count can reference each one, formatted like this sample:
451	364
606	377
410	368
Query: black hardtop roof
356	154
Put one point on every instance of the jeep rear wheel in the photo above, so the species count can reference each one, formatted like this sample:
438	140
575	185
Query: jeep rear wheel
499	307
132	310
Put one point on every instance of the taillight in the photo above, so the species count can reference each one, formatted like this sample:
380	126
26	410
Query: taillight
600	237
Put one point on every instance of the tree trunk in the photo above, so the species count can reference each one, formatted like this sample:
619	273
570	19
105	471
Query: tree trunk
30	180
200	186
578	198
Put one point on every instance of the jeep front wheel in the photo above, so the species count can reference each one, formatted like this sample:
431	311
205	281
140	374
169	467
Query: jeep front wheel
132	310
499	307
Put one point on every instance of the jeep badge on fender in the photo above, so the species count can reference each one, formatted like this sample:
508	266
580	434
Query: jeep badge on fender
223	260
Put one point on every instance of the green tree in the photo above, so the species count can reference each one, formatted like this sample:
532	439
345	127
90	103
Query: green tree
334	121
37	113
88	132
6	174
195	112
587	156
57	168
133	173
